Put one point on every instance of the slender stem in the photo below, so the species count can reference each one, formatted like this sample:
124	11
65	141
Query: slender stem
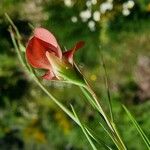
117	140
115	135
31	72
84	130
107	87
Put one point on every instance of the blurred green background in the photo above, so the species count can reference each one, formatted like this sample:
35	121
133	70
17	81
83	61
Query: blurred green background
119	30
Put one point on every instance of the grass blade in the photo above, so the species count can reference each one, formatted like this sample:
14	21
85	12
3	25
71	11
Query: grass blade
97	139
108	91
84	130
139	129
88	97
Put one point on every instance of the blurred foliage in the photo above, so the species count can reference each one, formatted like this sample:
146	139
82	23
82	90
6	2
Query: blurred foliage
29	120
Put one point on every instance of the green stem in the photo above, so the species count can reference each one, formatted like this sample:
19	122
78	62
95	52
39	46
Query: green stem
31	72
117	140
115	135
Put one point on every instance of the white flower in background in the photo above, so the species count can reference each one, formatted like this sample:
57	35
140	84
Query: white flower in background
125	6
110	1
68	3
74	19
91	25
94	2
128	5
85	15
96	16
89	3
106	6
125	12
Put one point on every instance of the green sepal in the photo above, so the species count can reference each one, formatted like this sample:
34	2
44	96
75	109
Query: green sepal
66	71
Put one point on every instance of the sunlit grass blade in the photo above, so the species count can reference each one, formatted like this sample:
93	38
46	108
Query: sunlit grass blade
13	25
139	129
84	130
109	134
108	89
15	45
16	40
88	97
92	98
110	107
97	139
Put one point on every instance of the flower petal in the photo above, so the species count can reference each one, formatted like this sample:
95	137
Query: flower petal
69	54
49	75
56	63
35	53
48	37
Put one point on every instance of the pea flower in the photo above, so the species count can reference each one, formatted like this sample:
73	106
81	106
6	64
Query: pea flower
43	52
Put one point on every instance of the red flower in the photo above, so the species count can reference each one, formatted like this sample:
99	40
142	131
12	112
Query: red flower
44	52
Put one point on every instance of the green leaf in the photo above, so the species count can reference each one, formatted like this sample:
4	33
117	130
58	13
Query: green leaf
88	97
84	130
139	129
107	87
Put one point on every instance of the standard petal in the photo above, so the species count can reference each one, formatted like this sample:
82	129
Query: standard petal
69	54
36	53
56	63
48	37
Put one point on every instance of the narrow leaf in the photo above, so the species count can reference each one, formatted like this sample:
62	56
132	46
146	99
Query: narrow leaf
84	130
89	98
139	129
108	89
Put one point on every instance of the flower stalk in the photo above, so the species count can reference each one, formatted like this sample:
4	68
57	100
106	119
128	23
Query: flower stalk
61	67
115	136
